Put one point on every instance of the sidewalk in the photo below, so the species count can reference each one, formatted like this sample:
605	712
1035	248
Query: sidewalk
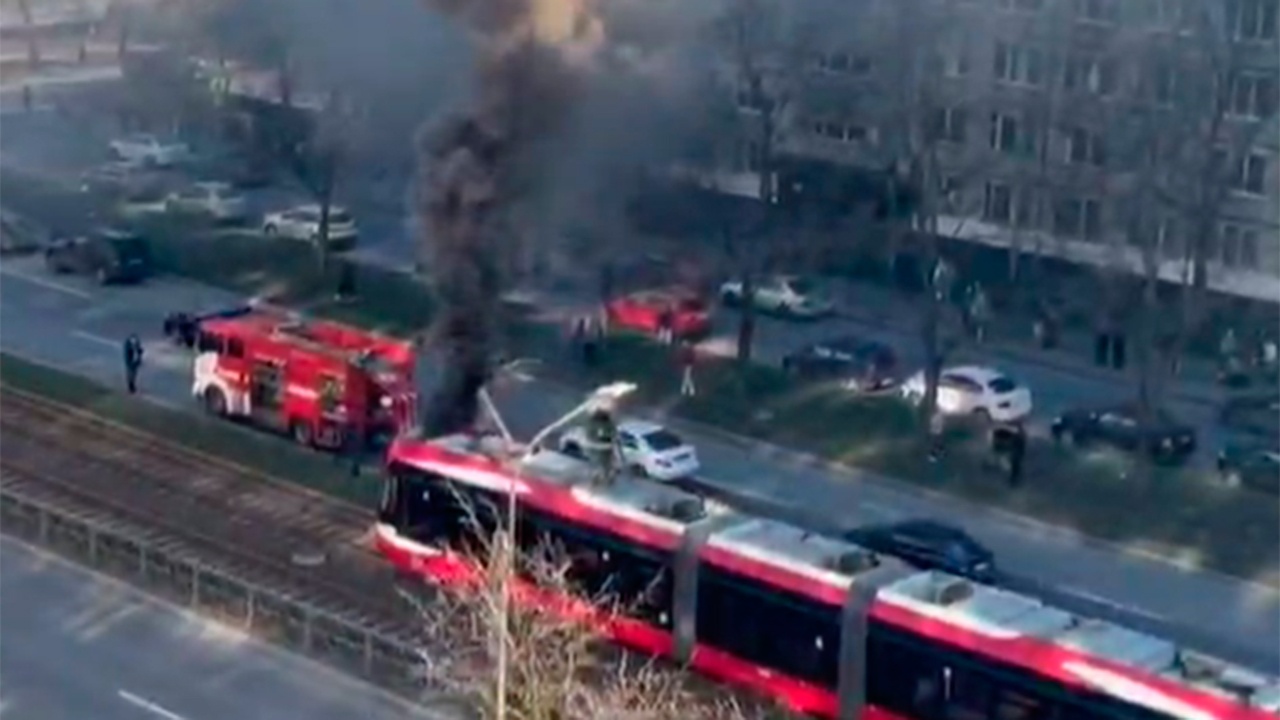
1012	338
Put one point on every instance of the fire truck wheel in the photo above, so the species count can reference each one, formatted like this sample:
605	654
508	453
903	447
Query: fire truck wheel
302	434
215	402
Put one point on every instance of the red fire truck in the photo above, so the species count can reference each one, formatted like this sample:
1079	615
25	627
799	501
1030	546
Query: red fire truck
318	381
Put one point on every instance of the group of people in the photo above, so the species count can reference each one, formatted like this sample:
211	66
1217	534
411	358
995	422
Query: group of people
589	331
1008	445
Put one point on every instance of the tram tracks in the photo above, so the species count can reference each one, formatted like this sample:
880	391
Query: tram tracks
219	510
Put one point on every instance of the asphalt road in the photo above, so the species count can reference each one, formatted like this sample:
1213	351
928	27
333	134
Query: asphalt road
76	647
70	323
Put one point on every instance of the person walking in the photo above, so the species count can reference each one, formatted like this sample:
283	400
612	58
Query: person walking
688	356
666	325
1009	441
26	98
132	362
937	426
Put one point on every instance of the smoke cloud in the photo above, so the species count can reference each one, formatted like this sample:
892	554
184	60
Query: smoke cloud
479	163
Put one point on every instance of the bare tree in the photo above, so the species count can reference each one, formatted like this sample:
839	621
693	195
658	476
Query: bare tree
33	43
1198	74
761	62
515	654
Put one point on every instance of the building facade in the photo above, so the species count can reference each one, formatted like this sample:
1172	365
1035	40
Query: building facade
1132	133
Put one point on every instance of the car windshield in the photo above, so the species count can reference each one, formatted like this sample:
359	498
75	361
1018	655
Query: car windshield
130	246
1002	385
802	286
661	440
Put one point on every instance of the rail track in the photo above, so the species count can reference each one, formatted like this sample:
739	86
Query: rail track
211	505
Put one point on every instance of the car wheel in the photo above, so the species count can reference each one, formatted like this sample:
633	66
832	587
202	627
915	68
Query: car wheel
215	403
270	230
572	450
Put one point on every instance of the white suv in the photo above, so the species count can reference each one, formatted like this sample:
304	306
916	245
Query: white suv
983	392
149	150
647	449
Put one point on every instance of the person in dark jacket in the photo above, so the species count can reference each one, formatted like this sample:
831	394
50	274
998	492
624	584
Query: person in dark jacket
1009	441
132	362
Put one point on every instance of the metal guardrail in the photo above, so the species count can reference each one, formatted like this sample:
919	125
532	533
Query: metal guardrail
164	568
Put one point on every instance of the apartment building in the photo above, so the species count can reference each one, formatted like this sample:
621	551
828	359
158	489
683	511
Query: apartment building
1086	129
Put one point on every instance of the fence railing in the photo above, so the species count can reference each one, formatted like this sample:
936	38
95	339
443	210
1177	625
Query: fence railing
162	567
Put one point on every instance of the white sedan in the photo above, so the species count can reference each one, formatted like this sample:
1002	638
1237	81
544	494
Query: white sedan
149	150
303	223
972	390
783	294
647	449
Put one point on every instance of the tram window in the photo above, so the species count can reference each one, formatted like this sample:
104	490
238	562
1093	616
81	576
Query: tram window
443	512
968	694
599	566
388	506
803	640
902	678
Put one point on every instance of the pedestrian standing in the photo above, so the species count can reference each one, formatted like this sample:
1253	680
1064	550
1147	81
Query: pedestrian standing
1017	451
26	98
591	341
937	425
132	362
688	356
666	325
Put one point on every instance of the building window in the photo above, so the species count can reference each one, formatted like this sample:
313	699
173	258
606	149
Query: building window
1169	239
1238	246
1253	19
1012	136
1090	74
1098	11
997	205
1253	96
1018	65
953	58
1079	218
950	124
1250	174
845	63
1029	6
1086	148
1176	15
844	132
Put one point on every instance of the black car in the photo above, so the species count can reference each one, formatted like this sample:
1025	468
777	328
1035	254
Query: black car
1120	426
1251	466
858	364
108	255
929	545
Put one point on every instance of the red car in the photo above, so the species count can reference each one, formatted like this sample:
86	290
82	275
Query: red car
641	311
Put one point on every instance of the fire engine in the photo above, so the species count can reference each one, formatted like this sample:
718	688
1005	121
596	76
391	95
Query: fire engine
321	382
826	626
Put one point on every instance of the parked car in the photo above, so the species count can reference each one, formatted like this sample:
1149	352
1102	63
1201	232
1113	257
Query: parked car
643	310
983	392
108	255
857	364
116	177
1257	413
142	202
788	295
1256	467
303	223
1120	426
647	449
19	235
148	149
929	545
215	200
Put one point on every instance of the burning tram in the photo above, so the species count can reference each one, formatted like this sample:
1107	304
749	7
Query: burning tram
827	627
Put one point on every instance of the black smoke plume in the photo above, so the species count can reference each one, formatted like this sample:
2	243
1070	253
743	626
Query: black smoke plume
478	164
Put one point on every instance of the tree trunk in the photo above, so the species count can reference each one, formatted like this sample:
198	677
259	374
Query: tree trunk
747	316
33	45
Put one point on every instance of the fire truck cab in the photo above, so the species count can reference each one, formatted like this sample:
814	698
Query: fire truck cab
321	382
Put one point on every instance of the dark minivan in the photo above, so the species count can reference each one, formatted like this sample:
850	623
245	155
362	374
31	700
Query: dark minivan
110	256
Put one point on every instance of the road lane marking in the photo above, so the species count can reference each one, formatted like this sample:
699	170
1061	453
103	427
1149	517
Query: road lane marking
147	705
48	284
